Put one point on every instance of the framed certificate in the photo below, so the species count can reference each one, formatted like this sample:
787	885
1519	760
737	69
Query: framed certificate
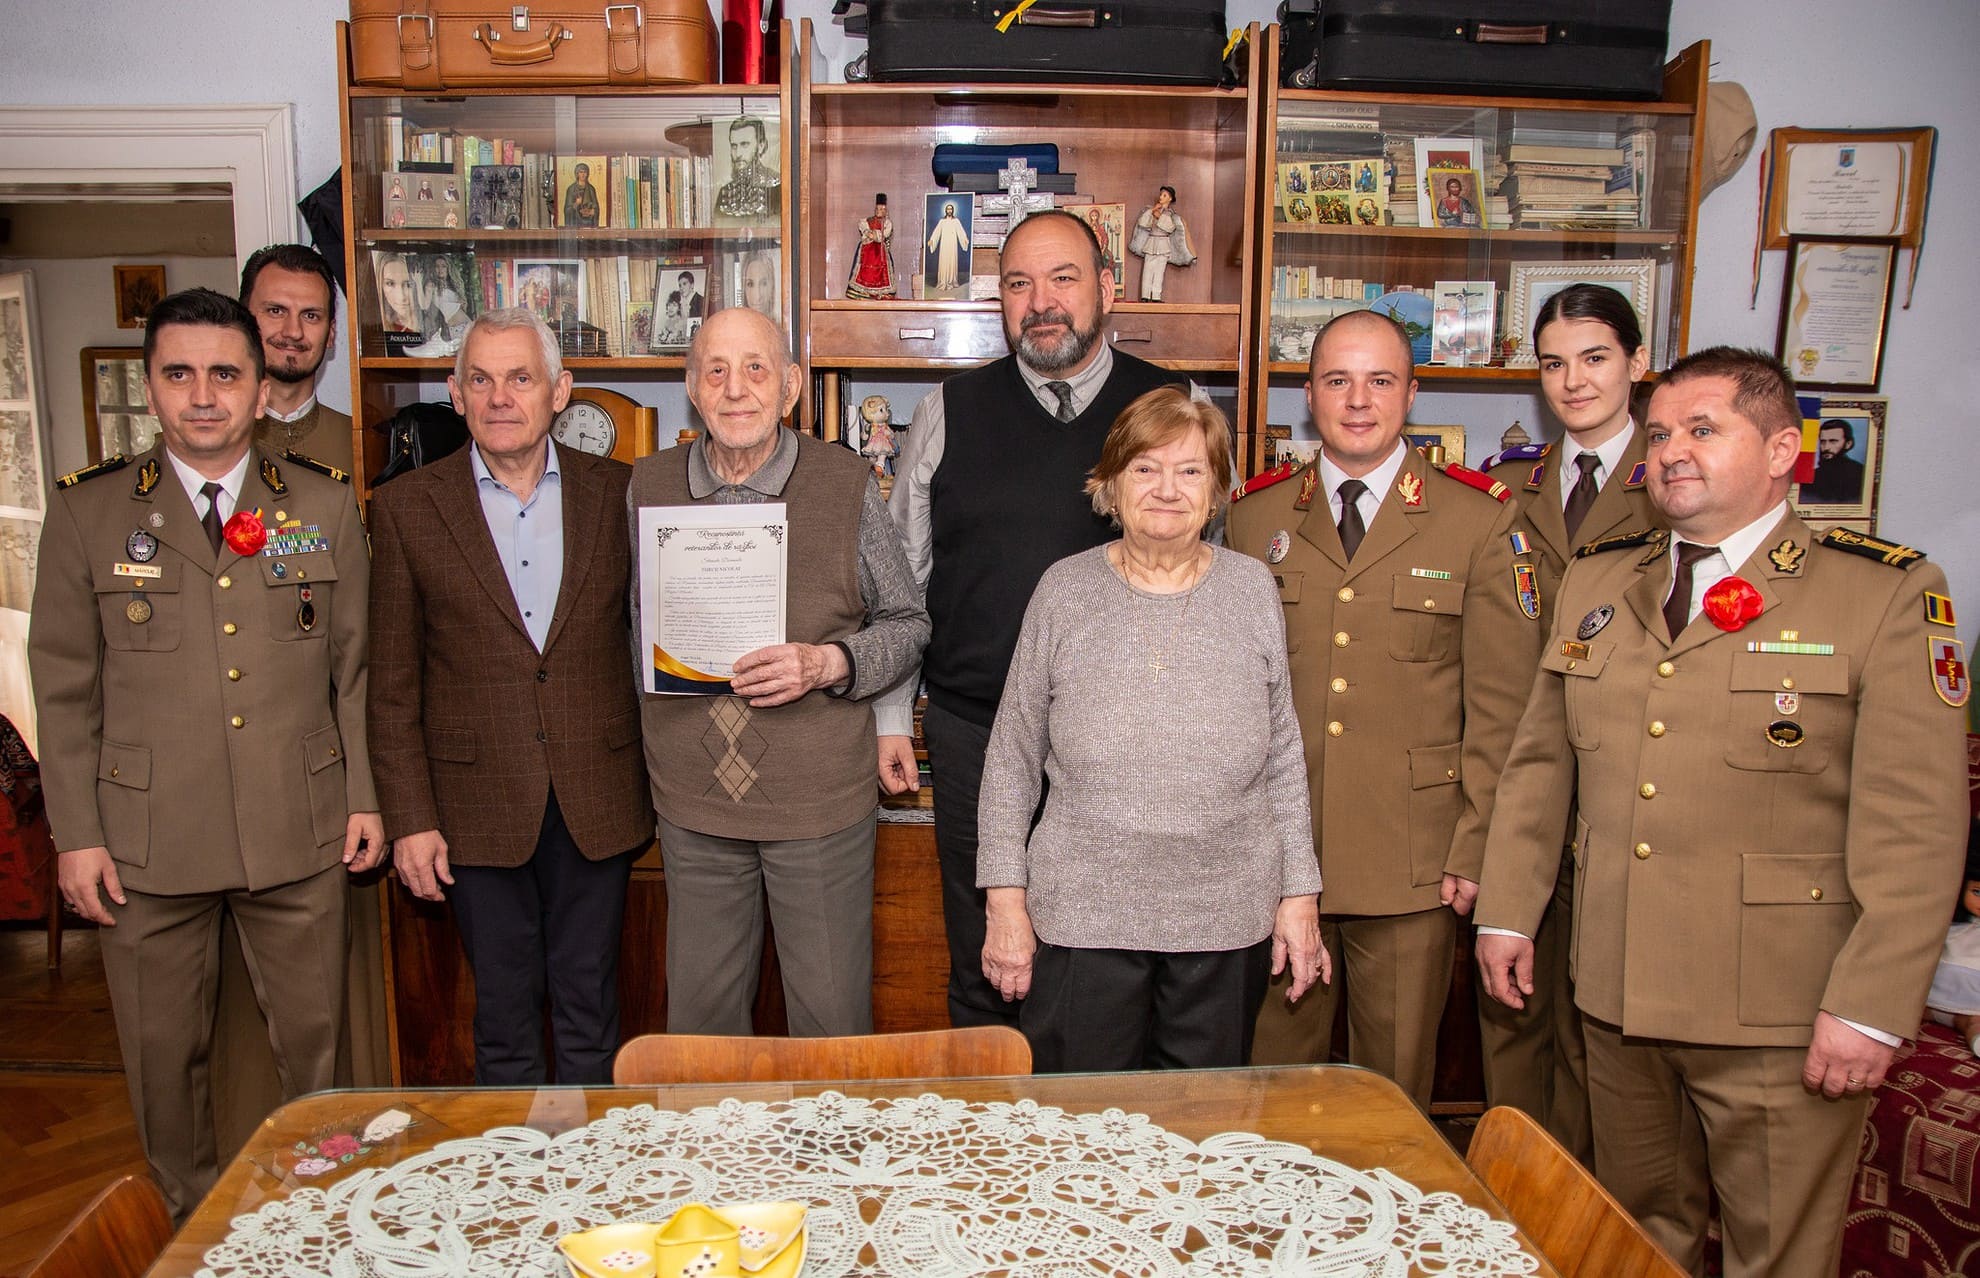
1848	182
1835	310
712	588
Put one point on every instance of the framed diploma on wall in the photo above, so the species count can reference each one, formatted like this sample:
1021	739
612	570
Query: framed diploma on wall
1835	311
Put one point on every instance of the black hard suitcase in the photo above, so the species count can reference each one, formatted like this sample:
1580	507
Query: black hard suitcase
1518	48
1052	41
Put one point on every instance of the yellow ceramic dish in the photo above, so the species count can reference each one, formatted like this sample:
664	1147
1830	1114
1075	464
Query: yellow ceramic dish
767	1241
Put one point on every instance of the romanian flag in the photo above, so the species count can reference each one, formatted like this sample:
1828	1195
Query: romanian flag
1811	426
1939	610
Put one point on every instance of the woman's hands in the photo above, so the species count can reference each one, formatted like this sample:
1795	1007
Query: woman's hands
1296	945
1009	942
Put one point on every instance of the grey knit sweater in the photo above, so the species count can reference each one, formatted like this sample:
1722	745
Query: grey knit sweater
1177	813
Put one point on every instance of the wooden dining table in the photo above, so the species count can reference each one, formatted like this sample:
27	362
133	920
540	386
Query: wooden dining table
1036	1175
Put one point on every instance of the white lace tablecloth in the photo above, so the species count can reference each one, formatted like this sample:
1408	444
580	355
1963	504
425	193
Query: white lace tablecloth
919	1186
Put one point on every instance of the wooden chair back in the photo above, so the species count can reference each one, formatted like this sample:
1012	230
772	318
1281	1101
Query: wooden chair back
118	1235
1577	1226
653	1059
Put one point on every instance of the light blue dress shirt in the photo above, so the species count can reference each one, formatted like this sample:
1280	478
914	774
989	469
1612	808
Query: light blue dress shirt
529	539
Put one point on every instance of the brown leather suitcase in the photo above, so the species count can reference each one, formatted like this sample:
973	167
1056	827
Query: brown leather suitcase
461	44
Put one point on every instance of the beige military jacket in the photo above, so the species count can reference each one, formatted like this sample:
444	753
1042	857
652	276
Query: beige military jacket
1409	669
1772	819
202	716
1534	476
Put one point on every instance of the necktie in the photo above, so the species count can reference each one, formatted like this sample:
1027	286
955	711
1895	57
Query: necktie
1064	391
1582	495
211	519
1352	529
1677	609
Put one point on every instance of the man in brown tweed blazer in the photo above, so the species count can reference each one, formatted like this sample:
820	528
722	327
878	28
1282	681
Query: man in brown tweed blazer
502	715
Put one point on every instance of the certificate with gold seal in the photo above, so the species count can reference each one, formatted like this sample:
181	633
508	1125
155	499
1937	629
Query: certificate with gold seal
712	587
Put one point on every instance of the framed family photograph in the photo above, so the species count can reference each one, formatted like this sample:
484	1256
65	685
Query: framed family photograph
1849	462
1835	310
1534	282
680	303
138	289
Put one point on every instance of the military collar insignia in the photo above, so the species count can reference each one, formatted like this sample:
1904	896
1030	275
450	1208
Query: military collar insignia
1659	547
272	477
1410	487
1635	479
148	476
1533	480
1787	556
1309	484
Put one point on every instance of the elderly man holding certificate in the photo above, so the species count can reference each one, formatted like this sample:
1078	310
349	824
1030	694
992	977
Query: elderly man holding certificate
774	602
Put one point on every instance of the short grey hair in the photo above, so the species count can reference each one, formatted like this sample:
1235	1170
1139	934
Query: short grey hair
507	318
786	352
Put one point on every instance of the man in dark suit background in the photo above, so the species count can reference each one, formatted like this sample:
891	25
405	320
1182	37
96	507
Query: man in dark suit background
1838	476
502	714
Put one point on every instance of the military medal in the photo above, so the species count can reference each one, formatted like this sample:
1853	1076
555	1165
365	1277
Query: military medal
1411	488
1787	703
1786	733
1275	550
1574	651
138	610
305	610
156	519
141	546
280	570
1591	625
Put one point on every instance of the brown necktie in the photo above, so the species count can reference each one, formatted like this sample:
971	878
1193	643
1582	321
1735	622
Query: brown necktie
211	519
1582	495
1677	609
1352	529
1064	391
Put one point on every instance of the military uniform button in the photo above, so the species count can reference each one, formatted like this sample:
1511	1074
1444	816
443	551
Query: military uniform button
1814	894
1341	639
234	675
1450	774
1657	728
225	582
1665	669
1643	851
1336	728
1788	682
238	722
1346	594
1339	684
114	774
229	628
1429	603
1647	790
333	752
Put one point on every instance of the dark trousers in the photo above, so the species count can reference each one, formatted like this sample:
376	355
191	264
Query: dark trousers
1095	1009
552	922
955	754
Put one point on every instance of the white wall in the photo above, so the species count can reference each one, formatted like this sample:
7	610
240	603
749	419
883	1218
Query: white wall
1819	63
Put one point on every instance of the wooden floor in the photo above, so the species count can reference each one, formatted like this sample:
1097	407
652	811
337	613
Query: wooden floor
65	1118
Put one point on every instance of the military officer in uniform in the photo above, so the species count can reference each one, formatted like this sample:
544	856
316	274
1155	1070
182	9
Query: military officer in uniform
198	653
1588	486
1410	662
1762	731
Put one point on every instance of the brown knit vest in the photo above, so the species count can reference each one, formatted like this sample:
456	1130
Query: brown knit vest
797	771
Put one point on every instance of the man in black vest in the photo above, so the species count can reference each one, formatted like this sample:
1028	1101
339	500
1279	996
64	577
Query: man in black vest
989	493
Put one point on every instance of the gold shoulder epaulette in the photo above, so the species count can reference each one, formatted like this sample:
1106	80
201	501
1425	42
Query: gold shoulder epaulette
1483	482
1623	541
1856	543
307	462
115	461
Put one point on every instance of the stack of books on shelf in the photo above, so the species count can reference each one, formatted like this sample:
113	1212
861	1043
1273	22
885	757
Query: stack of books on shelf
1579	187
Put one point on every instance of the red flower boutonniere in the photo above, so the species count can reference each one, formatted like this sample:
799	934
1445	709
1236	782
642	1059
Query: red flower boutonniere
1731	603
245	534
